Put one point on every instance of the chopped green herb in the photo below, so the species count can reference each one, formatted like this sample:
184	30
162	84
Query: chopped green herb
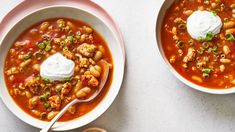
207	70
229	37
37	78
214	13
46	80
65	48
209	36
200	51
48	48
67	79
27	56
60	25
62	42
41	45
217	52
45	96
46	104
70	38
200	39
214	48
47	42
48	93
222	5
209	50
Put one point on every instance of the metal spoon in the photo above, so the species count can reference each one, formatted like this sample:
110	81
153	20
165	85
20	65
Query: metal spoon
104	78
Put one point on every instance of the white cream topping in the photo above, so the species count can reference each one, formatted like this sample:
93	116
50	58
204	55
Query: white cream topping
57	67
199	23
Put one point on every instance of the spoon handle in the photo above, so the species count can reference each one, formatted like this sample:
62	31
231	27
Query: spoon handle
102	84
52	122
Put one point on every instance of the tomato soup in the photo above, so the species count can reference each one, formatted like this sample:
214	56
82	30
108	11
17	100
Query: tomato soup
207	60
42	97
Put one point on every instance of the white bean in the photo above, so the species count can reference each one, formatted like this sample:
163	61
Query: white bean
197	78
83	92
222	68
98	56
25	63
36	112
94	72
174	30
36	67
229	24
226	49
188	12
28	94
225	61
44	26
98	68
52	114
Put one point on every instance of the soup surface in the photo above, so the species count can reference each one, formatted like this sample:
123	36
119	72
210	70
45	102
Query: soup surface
44	98
209	61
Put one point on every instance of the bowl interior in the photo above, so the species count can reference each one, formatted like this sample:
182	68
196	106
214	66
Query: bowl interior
77	14
166	5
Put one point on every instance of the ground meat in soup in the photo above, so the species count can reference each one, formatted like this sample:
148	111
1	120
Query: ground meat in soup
43	98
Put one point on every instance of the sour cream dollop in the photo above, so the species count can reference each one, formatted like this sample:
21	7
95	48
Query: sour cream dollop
199	23
57	68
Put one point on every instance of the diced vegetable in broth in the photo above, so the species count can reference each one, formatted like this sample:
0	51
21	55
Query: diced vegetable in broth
43	98
208	62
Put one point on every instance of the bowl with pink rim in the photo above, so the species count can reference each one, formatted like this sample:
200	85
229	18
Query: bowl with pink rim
100	22
159	25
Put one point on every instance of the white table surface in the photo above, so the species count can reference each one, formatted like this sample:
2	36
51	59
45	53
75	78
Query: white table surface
151	98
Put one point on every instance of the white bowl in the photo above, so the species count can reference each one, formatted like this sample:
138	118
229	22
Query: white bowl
166	5
78	14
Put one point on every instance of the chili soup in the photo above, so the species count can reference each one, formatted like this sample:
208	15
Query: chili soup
42	90
198	39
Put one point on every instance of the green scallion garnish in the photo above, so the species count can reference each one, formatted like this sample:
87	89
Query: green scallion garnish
207	70
48	47
45	79
27	56
229	37
41	45
70	38
214	13
209	36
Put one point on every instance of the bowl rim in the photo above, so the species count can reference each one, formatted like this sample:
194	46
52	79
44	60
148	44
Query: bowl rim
158	28
119	41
